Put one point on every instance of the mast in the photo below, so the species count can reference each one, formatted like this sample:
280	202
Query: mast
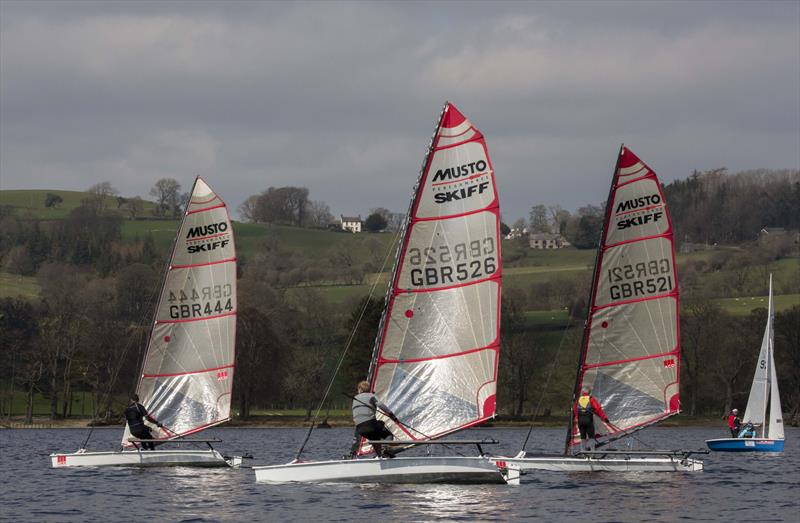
585	340
162	285
400	245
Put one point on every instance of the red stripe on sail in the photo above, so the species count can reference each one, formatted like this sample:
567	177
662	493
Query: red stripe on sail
462	179
478	136
626	429
667	234
206	237
187	373
198	319
672	294
226	260
640	210
630	360
491	208
204	209
651	174
201	202
495	275
441	356
442	135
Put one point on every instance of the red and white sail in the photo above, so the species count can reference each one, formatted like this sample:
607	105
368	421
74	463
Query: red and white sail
435	363
187	375
631	350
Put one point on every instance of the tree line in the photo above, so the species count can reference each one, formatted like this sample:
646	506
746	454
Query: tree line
88	329
708	207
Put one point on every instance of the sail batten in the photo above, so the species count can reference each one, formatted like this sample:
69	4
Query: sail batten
435	361
630	356
187	374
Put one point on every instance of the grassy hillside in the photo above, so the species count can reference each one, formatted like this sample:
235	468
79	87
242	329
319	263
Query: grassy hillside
30	203
526	267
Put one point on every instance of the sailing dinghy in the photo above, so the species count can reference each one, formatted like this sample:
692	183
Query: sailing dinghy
763	391
187	374
630	354
435	359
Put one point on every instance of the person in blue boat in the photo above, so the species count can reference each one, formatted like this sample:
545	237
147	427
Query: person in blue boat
734	423
135	414
748	431
586	408
365	406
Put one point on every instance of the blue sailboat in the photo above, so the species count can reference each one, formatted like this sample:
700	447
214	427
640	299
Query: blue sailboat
769	434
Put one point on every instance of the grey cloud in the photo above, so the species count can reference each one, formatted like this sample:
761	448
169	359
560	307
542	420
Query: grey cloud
342	97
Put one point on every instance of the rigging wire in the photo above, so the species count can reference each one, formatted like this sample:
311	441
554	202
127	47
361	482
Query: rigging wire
553	366
118	367
347	345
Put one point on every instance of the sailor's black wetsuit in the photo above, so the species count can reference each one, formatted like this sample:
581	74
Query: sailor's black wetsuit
134	415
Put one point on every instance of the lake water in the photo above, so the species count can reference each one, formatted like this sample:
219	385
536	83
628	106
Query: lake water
733	488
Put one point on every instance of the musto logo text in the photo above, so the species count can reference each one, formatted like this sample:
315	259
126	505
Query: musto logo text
205	238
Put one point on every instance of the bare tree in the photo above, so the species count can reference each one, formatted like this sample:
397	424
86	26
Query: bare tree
99	194
249	209
538	219
167	192
319	214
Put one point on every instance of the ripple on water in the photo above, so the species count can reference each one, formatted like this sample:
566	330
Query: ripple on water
736	488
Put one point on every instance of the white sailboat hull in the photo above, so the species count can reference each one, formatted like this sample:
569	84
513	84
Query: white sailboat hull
444	469
603	464
144	458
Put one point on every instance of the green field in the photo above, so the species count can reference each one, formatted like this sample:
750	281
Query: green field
743	306
13	285
29	203
82	403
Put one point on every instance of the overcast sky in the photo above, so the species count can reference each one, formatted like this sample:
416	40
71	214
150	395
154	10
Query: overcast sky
342	97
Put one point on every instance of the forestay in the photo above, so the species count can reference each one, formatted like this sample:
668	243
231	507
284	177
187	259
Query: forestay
631	353
187	375
436	357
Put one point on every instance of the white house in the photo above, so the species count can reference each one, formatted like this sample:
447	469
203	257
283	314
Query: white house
547	241
516	232
352	224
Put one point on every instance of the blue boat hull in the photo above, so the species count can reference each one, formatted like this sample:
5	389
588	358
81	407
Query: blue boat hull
745	445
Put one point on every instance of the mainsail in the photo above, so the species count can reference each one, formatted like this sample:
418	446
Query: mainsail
631	353
187	375
765	384
435	363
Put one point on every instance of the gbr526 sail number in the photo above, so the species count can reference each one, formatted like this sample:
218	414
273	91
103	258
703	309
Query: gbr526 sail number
452	264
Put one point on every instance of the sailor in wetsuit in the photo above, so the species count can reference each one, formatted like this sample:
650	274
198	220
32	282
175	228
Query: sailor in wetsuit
585	409
365	404
135	414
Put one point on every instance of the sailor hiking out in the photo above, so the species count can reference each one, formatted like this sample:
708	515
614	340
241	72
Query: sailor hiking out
365	406
135	414
585	409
